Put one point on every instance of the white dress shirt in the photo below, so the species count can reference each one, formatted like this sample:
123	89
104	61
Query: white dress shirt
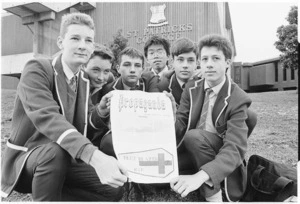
209	126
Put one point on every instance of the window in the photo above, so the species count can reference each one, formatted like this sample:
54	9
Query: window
292	74
276	72
284	74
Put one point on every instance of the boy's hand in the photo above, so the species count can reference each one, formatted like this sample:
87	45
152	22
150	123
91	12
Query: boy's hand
108	169
104	105
187	183
169	73
171	97
197	74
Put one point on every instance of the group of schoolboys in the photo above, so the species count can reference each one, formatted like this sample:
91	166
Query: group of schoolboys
61	146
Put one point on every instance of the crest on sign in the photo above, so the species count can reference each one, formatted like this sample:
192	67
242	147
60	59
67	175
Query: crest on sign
158	15
152	163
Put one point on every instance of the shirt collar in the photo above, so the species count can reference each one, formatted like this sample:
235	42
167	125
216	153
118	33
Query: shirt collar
95	90
216	89
68	72
160	73
181	83
128	87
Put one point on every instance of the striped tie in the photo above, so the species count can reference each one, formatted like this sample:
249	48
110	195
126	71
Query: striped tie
201	123
73	83
158	78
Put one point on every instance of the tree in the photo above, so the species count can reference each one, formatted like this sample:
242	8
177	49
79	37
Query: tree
287	43
118	44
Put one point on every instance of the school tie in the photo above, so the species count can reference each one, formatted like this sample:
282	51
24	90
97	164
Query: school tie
136	87
157	78
73	83
201	123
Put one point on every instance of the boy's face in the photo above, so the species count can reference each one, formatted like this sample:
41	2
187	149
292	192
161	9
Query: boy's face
98	70
213	65
184	65
77	45
157	57
130	70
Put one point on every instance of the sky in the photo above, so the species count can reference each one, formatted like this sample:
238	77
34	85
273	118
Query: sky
254	28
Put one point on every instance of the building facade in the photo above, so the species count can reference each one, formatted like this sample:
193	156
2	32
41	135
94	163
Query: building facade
266	75
31	29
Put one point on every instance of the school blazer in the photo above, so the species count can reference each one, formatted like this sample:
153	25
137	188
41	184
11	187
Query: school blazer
171	85
42	114
229	115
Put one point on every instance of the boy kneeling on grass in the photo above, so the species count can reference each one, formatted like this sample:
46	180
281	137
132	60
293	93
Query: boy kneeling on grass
211	124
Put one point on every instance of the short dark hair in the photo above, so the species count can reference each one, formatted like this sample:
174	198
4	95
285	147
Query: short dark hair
183	45
157	40
131	52
218	41
103	52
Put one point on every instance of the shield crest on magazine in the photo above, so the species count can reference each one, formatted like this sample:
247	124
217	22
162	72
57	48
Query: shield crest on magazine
154	163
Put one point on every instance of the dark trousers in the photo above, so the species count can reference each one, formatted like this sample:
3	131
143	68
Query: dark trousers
50	174
203	147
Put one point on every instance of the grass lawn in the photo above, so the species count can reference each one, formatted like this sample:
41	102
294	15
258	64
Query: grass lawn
275	136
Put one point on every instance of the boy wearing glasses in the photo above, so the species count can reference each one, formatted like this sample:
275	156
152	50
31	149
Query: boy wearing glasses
157	52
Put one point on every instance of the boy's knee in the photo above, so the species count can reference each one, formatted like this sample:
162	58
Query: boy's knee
106	141
55	155
194	137
106	145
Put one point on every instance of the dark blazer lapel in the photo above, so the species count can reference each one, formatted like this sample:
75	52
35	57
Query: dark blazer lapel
221	101
61	86
142	86
81	110
197	99
118	85
170	85
175	89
